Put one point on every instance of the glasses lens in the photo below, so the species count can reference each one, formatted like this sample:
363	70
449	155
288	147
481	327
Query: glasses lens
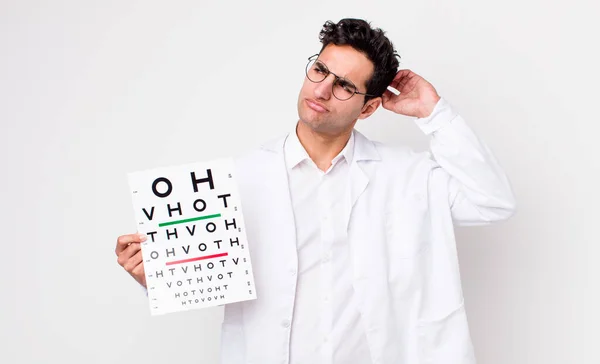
343	89
316	71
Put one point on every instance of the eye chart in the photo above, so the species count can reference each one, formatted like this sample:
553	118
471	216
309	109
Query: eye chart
196	254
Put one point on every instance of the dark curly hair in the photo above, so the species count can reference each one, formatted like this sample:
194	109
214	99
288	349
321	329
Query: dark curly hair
372	42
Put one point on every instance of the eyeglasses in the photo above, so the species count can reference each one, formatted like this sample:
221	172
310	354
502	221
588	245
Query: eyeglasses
342	88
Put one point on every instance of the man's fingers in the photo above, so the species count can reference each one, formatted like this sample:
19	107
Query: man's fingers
128	253
138	274
385	97
139	269
402	74
402	78
133	262
125	240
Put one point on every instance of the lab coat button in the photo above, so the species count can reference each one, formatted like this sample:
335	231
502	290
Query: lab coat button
285	323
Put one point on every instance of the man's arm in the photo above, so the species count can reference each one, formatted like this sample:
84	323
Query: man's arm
478	190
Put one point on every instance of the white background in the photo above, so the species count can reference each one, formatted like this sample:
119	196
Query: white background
92	90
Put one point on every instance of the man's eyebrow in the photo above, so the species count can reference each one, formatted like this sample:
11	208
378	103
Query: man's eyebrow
320	63
344	81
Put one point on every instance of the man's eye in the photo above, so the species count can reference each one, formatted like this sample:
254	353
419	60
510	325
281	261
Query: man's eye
345	85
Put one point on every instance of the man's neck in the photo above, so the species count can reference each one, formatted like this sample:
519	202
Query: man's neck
321	148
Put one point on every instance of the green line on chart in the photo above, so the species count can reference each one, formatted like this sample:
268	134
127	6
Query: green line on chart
189	220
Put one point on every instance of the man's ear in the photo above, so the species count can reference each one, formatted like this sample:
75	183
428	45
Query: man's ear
370	107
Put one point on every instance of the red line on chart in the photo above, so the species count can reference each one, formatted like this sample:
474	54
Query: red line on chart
198	258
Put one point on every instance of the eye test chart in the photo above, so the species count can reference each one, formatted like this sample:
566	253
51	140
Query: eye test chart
196	254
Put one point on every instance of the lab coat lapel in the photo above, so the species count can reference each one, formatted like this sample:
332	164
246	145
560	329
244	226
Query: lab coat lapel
357	183
359	172
362	172
277	192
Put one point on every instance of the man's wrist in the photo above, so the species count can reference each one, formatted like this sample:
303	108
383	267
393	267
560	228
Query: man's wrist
441	116
428	107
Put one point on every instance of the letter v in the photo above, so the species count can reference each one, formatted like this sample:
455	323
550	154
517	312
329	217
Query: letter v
191	231
151	213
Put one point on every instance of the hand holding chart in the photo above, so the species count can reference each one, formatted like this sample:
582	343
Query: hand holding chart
196	254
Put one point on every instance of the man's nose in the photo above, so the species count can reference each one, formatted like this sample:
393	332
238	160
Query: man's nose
324	88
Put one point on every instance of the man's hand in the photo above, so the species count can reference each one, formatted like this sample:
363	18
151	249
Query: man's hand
129	256
417	96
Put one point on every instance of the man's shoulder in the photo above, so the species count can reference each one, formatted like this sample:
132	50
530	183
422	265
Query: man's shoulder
271	151
398	164
392	153
262	156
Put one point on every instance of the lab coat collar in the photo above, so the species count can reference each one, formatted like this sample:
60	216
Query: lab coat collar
295	153
364	149
360	173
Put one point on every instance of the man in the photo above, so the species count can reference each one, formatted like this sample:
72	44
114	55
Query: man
352	241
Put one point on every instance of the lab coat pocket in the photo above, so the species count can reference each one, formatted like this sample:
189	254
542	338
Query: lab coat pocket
446	340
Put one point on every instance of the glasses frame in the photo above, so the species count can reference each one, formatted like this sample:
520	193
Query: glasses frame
315	57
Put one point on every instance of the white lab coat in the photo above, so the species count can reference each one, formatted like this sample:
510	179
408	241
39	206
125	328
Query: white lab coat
400	208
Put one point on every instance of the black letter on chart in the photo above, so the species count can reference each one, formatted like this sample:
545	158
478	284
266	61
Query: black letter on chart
151	233
208	179
171	209
169	187
228	224
196	205
150	215
224	197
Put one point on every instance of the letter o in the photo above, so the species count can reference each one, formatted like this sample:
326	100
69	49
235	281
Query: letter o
203	205
211	230
169	187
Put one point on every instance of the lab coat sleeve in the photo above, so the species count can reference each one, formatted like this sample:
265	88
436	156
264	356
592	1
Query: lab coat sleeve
479	191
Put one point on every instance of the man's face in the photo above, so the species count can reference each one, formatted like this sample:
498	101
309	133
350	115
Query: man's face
319	109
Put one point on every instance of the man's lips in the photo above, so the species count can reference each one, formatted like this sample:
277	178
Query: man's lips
316	106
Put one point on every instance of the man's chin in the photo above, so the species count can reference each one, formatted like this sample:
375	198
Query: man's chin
319	127
312	123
